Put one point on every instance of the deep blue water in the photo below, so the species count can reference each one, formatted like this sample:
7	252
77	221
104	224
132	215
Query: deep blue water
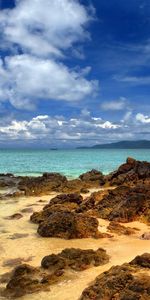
68	162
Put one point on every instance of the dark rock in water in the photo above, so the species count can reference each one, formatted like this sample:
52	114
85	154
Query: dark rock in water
115	227
124	282
93	176
75	259
69	225
25	279
145	236
16	216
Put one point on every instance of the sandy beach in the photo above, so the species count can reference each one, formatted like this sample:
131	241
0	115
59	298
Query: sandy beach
31	248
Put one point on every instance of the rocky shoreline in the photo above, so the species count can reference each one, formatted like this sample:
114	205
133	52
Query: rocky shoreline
121	197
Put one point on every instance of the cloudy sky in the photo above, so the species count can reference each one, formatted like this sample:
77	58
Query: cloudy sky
74	72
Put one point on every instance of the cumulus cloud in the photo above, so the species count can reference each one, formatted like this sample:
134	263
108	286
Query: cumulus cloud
44	126
82	130
142	118
41	36
119	104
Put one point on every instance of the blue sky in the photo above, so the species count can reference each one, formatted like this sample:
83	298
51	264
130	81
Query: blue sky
74	72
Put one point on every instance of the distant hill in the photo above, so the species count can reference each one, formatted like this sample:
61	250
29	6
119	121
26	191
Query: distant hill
142	144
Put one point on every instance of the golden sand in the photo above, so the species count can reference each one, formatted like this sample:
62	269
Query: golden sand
120	248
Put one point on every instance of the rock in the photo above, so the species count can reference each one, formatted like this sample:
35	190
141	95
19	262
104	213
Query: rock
66	198
75	259
16	216
130	173
93	176
69	225
25	280
84	191
145	236
126	204
115	227
41	185
124	282
142	261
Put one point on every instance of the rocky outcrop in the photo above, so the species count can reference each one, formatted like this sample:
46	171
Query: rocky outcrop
122	282
41	185
126	204
69	225
130	173
25	279
60	203
93	176
75	259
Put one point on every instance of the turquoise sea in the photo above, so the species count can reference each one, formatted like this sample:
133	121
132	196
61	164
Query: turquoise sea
68	162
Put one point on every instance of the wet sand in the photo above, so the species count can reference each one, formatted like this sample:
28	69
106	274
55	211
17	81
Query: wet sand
33	247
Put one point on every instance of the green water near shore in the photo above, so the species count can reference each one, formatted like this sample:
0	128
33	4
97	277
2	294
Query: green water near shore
68	162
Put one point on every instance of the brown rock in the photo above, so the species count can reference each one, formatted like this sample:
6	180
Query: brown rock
69	225
75	259
124	282
115	227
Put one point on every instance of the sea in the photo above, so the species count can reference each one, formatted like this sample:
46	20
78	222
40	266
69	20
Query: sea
71	163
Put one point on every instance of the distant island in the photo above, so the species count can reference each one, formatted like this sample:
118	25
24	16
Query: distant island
141	144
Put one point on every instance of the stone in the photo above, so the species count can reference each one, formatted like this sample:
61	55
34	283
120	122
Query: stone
75	259
126	282
69	225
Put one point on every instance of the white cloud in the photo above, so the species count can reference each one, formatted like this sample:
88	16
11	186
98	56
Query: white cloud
29	77
134	79
114	105
142	118
45	33
45	28
83	130
44	126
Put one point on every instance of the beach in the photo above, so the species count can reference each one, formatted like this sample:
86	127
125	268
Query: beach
38	219
33	248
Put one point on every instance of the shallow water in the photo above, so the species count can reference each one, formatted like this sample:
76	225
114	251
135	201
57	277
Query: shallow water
68	162
120	248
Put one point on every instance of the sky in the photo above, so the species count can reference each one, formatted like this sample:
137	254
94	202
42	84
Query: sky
74	72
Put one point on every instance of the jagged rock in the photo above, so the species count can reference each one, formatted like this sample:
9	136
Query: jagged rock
60	203
93	176
25	279
126	204
75	259
115	227
69	225
41	185
124	282
130	173
142	260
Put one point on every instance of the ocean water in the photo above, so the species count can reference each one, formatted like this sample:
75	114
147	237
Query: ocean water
68	162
